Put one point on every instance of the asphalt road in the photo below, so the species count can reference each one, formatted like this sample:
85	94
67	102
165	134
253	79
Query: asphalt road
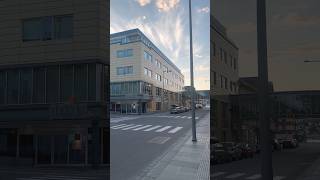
288	164
136	141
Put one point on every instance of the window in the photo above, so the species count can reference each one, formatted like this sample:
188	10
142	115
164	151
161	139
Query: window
234	63
221	81
226	83
158	64
52	84
214	49
146	71
165	81
13	87
231	85
39	85
80	82
2	86
124	70
25	86
47	32
231	60
147	56
124	53
92	82
165	68
47	28
225	57
63	26
31	29
221	54
150	73
214	78
66	82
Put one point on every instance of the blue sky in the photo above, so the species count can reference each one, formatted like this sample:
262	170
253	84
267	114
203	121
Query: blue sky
166	23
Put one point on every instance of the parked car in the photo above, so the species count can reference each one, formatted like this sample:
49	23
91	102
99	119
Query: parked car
174	109
234	151
247	151
219	154
198	106
277	144
289	143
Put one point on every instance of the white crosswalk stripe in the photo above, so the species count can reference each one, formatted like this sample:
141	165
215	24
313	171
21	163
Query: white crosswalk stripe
218	174
175	130
152	128
163	129
131	127
236	175
256	176
119	127
143	127
147	128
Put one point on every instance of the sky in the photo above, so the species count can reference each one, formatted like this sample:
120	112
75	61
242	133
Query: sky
293	28
166	24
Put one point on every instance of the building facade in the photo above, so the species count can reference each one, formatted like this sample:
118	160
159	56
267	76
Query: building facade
142	78
53	75
224	79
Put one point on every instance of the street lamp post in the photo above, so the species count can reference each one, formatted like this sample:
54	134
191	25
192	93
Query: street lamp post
194	137
263	96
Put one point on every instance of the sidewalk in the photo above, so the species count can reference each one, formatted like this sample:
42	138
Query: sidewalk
186	160
312	173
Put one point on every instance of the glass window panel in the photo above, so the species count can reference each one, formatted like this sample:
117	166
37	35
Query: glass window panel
52	84
47	28
66	76
63	26
81	82
92	82
26	86
31	29
2	86
39	85
13	86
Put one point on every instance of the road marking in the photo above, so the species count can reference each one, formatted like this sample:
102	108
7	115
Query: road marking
131	127
176	117
142	127
256	176
163	129
189	117
123	126
236	175
152	128
197	117
175	130
118	125
279	177
218	174
183	116
159	140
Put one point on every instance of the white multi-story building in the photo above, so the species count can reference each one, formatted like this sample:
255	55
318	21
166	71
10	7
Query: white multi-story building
142	78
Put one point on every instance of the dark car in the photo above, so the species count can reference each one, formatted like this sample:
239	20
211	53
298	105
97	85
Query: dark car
232	149
219	154
277	144
289	143
247	150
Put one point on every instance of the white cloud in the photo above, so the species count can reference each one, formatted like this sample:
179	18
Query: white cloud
143	2
166	5
202	68
203	10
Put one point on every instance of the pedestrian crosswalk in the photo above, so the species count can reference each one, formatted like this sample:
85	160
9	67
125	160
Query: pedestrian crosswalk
127	118
147	128
241	175
53	177
174	117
